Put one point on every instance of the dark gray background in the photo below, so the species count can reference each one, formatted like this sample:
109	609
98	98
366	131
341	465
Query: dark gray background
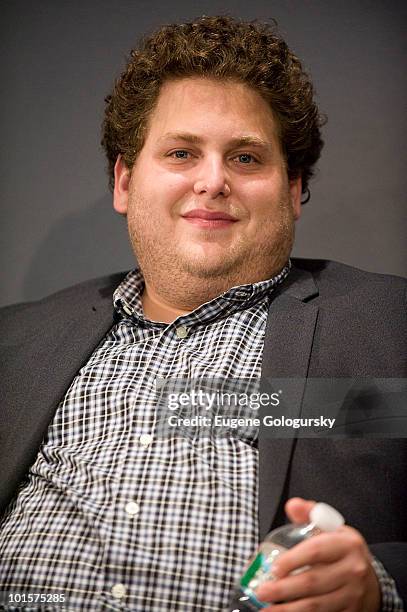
59	61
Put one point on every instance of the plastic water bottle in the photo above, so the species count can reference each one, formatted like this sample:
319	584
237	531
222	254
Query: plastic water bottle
260	568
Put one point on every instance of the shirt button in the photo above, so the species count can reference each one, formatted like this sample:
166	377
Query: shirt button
132	508
127	309
182	331
118	591
145	440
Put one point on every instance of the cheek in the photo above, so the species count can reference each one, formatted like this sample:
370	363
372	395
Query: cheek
262	205
177	183
265	192
168	191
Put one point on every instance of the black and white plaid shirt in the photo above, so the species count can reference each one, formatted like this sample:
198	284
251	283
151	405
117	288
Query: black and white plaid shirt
117	518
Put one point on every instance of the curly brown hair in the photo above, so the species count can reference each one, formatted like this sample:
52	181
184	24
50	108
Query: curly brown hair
217	47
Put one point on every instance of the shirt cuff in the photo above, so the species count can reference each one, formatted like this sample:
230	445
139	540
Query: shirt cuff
391	601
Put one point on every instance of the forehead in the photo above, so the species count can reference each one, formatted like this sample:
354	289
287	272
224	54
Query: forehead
211	108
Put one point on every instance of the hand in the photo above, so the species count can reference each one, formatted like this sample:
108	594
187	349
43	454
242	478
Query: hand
340	578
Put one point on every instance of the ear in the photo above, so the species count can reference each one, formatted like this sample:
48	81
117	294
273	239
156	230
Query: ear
122	176
295	196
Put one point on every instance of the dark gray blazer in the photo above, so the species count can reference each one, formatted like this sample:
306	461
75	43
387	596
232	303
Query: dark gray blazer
326	320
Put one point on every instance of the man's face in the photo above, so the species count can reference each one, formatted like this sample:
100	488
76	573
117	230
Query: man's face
208	196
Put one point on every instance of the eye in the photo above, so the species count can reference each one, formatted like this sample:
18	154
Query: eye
179	154
246	158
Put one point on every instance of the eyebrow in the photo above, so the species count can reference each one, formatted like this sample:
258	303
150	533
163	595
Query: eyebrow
252	141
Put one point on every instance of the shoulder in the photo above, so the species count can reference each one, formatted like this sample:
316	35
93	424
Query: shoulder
362	319
17	320
335	280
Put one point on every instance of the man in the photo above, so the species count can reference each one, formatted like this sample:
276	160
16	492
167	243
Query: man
211	134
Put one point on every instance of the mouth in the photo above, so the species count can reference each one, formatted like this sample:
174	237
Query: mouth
209	219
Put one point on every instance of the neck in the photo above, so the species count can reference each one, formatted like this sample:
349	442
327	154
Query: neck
157	309
171	298
179	296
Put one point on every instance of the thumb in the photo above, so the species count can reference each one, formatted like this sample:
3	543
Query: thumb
298	509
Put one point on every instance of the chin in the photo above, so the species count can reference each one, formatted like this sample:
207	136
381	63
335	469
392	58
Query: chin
210	259
204	268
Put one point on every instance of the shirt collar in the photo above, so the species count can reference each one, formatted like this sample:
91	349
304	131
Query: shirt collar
127	297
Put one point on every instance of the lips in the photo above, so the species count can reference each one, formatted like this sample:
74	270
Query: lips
208	215
209	219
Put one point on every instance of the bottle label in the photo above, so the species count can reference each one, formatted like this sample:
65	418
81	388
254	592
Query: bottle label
258	569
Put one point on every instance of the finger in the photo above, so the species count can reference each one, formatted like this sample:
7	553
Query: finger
337	601
298	509
322	548
319	580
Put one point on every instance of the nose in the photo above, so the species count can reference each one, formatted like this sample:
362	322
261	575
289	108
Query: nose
212	179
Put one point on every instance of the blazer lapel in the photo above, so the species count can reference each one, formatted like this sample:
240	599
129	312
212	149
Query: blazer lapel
287	348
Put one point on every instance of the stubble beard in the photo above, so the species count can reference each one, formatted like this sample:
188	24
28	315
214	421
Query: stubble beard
188	281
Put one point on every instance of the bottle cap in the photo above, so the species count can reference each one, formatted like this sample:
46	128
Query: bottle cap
326	518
